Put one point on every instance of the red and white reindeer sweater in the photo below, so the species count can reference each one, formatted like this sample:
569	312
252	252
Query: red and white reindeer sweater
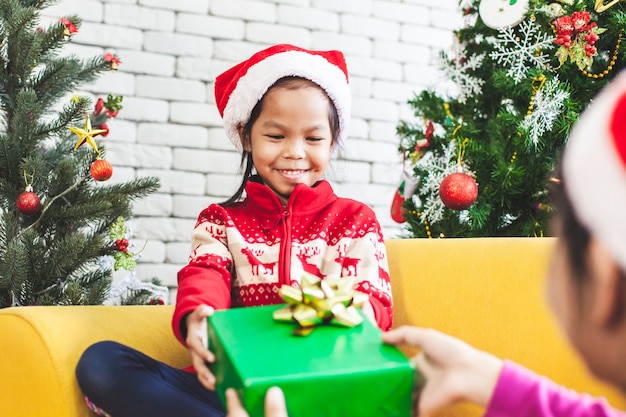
244	253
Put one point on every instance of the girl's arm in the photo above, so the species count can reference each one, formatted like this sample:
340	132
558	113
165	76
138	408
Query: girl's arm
373	270
206	279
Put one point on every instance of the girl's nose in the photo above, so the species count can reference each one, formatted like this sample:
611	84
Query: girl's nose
294	149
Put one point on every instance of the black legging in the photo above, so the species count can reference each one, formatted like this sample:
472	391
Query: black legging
125	382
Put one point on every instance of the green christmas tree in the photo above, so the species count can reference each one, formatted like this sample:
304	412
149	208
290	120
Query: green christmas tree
56	211
522	72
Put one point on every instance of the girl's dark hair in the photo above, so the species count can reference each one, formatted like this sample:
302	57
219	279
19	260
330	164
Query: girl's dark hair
572	232
290	83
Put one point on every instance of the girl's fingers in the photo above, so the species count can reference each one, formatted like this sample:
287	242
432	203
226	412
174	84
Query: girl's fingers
275	403
205	376
233	404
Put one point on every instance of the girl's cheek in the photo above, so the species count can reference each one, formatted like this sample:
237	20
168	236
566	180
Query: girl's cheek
556	292
565	298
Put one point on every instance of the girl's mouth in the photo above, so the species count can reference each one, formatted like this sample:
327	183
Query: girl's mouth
292	172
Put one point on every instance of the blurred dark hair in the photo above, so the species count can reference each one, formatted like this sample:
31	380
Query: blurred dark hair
571	231
290	83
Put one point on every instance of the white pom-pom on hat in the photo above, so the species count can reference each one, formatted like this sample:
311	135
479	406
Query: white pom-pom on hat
594	168
239	89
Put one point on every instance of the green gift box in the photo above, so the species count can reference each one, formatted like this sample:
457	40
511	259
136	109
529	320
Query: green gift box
334	371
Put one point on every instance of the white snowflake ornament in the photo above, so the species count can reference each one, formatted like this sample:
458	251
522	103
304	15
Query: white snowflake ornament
548	104
522	49
132	283
458	68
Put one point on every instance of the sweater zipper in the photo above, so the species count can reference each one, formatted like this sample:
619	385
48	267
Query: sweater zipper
285	276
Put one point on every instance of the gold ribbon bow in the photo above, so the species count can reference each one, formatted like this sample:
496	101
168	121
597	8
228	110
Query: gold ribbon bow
331	300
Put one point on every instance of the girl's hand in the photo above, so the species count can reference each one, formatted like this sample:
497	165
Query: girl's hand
453	370
197	344
274	404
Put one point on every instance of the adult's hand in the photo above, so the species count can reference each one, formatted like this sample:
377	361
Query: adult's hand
453	370
197	344
274	404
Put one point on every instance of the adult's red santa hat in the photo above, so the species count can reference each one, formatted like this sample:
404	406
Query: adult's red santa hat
239	89
594	168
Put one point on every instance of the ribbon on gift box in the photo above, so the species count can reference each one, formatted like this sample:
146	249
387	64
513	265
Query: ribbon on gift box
321	301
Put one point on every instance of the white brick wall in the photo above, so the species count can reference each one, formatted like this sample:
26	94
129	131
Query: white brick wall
171	52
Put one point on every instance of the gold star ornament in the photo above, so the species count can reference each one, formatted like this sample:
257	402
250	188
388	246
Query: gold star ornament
86	134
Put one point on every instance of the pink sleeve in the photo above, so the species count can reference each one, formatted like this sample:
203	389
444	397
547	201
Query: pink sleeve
522	393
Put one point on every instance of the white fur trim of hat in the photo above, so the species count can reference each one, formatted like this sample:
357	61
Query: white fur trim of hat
594	168
240	88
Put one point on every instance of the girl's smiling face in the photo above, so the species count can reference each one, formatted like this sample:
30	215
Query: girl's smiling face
291	141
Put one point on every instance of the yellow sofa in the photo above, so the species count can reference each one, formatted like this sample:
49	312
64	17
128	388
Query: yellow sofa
488	291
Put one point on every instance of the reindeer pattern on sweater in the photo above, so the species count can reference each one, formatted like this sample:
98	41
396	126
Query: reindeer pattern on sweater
241	255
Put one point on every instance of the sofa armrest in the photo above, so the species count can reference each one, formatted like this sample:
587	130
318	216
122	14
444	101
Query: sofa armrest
40	347
488	292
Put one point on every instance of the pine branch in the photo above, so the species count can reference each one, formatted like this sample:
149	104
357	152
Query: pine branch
19	23
39	4
59	76
47	206
53	38
71	112
14	266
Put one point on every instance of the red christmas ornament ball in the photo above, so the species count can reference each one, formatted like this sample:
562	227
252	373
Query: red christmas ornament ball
458	191
101	170
28	202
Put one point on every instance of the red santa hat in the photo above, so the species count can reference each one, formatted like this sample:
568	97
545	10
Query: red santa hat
239	89
594	168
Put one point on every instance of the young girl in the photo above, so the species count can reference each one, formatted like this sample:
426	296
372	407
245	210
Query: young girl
586	290
286	109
